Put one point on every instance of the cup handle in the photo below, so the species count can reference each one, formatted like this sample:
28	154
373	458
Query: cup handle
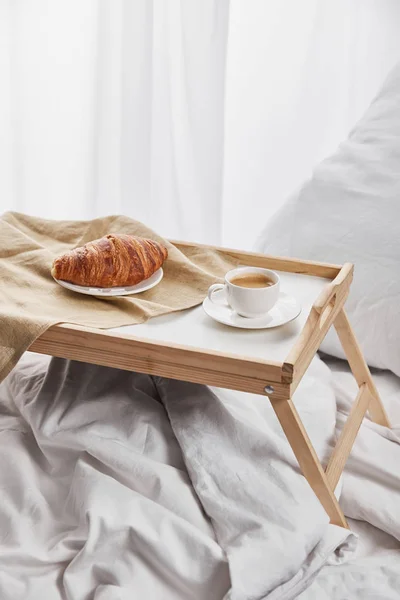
213	288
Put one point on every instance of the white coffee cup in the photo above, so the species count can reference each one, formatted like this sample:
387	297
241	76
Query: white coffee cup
248	301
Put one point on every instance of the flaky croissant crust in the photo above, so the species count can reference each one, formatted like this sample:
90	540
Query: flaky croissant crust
111	261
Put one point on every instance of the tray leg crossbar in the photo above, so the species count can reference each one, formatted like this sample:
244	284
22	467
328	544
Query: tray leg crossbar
347	437
324	482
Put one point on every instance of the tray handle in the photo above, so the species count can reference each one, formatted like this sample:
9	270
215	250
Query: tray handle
326	302
320	319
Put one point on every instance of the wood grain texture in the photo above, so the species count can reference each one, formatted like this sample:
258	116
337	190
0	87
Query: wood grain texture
347	436
308	459
156	358
359	367
323	313
289	265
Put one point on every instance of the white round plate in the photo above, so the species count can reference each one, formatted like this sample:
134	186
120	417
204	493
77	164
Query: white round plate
115	291
286	309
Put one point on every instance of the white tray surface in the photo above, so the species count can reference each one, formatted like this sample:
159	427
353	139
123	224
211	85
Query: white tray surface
194	328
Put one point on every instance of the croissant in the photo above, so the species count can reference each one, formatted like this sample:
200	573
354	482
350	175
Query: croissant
111	261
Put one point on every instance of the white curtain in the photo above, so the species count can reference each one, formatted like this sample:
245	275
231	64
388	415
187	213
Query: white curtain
111	106
114	106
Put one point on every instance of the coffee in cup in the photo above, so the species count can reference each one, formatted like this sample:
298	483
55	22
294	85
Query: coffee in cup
250	291
252	280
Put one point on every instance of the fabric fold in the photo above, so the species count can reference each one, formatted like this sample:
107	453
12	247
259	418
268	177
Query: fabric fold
266	517
31	301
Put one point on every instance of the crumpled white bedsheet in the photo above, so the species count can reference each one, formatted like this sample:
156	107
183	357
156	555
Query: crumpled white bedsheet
371	494
97	501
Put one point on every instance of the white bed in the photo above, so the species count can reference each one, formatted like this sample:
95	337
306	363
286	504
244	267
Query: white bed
97	501
117	485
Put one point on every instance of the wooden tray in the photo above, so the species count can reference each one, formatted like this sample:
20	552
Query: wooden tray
189	346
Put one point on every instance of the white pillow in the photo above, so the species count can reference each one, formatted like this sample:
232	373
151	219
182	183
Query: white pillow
350	211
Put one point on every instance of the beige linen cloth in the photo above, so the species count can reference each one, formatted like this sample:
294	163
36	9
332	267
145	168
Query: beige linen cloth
31	301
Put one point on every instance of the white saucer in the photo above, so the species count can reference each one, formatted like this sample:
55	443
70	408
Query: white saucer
147	284
286	309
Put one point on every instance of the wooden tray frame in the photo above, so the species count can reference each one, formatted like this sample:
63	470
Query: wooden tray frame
276	380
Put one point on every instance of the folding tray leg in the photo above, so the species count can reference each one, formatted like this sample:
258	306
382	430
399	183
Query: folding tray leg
308	459
367	399
359	367
324	482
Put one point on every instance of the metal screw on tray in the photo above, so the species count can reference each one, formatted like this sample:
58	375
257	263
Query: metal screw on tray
269	389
